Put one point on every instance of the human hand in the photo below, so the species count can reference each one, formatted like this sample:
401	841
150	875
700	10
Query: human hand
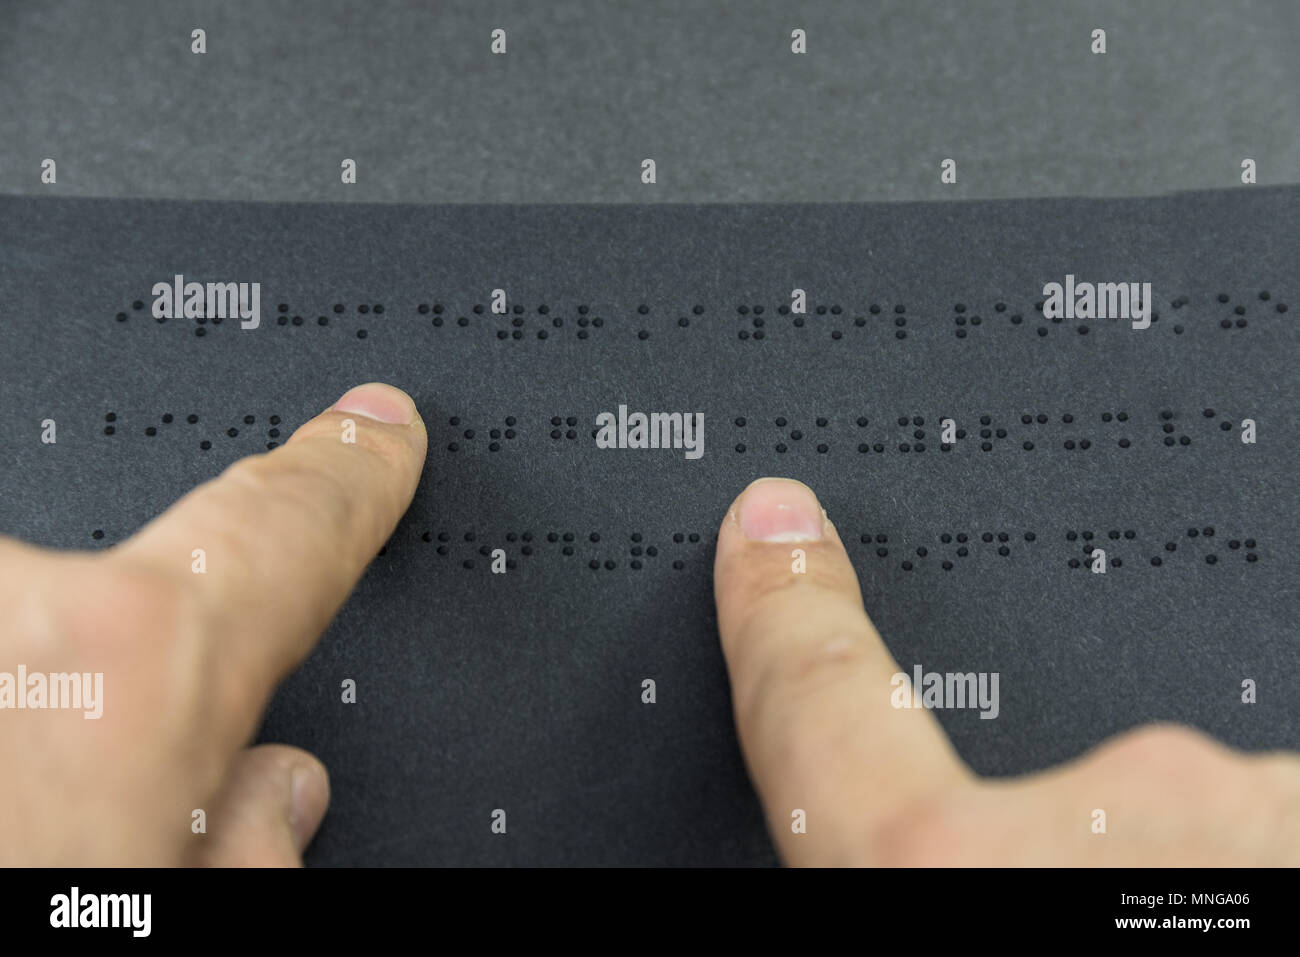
190	660
811	688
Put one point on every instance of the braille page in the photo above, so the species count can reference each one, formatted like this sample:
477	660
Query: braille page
976	456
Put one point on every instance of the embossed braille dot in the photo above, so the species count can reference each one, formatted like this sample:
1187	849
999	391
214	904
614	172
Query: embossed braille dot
679	564
859	321
1252	557
879	447
963	551
1171	547
823	448
1087	536
796	434
863	447
975	320
1028	446
947	565
1184	440
1042	330
1085	444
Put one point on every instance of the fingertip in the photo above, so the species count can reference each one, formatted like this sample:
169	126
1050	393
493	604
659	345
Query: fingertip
778	510
380	401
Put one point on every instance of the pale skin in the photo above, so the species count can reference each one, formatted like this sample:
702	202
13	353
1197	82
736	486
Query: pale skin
190	662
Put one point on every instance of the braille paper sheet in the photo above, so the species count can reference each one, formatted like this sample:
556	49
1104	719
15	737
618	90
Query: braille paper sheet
1172	449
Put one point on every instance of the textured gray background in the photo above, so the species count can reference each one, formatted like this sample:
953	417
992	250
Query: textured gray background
710	90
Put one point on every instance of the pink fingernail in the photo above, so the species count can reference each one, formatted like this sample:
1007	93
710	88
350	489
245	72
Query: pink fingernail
378	401
781	510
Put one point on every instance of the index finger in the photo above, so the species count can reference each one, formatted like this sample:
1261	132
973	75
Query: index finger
812	684
272	547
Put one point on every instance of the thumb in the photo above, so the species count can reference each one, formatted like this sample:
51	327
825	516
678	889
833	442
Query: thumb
273	801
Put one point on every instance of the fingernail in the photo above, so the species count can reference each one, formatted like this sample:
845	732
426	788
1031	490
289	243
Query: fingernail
781	510
304	813
375	400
